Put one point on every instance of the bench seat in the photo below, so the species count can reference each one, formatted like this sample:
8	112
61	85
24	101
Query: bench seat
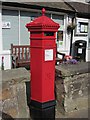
20	55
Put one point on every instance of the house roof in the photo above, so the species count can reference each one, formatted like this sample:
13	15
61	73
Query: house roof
59	6
80	7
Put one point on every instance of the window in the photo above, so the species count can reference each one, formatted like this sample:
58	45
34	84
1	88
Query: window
60	39
24	34
60	36
82	27
59	19
32	18
25	17
10	28
13	27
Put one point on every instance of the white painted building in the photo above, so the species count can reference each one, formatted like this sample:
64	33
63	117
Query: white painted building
13	18
82	18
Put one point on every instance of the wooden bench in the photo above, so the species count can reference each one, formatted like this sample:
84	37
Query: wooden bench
20	55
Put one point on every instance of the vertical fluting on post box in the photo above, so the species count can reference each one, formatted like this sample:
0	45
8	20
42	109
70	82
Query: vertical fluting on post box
42	63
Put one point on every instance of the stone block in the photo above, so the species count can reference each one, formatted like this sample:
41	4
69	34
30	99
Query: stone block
15	75
14	99
22	101
76	90
76	80
10	104
76	104
6	93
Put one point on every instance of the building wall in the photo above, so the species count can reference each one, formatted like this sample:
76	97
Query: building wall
10	33
5	54
82	36
15	32
88	48
60	35
68	34
7	59
18	34
0	35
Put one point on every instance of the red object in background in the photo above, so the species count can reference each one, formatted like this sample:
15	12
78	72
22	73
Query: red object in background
68	57
42	58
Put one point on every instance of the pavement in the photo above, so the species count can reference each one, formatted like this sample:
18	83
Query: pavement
84	113
79	114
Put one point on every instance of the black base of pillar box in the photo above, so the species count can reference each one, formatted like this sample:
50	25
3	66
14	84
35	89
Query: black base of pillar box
42	111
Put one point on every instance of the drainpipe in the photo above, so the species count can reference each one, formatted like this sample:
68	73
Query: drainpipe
2	63
71	38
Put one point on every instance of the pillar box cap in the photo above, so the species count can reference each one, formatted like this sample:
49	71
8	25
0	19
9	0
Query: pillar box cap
42	23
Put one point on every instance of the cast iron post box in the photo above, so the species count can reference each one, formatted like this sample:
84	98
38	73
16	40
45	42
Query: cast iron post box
42	60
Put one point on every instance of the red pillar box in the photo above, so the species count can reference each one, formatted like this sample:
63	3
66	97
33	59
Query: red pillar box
42	63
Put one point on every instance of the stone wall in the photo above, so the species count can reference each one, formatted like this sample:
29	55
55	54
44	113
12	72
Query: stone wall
76	83
13	102
76	92
71	91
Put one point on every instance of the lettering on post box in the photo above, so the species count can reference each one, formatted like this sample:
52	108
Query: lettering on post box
48	54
